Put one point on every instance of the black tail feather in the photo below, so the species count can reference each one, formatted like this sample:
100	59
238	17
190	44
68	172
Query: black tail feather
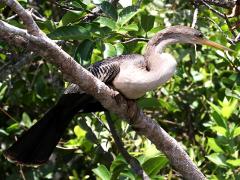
35	146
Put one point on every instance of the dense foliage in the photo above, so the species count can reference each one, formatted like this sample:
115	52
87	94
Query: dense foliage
199	106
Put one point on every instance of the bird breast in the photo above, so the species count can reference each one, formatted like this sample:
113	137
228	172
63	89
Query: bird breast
134	80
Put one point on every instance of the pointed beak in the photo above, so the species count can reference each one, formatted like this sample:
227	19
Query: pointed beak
213	44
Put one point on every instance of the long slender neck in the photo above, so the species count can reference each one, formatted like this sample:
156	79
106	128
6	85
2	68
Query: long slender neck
156	46
161	66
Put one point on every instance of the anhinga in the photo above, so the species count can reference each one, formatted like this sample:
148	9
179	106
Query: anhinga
132	75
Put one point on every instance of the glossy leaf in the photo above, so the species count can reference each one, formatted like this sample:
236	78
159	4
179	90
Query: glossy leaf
84	51
234	162
214	146
236	132
109	51
217	159
109	10
104	21
75	32
127	14
154	165
147	22
102	172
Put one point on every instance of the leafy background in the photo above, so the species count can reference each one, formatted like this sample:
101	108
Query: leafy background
199	106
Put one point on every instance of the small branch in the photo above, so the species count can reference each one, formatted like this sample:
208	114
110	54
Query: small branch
212	9
22	173
8	115
136	167
134	40
195	14
25	16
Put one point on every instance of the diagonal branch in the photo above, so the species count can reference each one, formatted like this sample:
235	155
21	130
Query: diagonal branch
127	109
27	19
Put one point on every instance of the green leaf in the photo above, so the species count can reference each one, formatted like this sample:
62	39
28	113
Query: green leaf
13	127
79	132
229	107
219	130
234	162
131	27
217	116
149	103
109	10
217	159
127	14
154	165
147	22
26	120
214	146
119	48
236	132
74	32
129	174
84	51
117	166
104	21
71	17
102	172
109	51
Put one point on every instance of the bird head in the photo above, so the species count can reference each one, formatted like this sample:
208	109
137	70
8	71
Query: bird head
182	34
187	34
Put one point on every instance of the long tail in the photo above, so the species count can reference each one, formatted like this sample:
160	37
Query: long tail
35	146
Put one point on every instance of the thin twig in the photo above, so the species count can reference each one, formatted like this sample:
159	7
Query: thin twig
30	24
213	10
195	15
8	115
21	172
136	167
134	40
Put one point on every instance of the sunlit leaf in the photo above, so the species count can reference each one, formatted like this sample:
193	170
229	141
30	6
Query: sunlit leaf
219	130
229	107
214	146
119	48
26	120
13	127
79	132
217	159
236	132
109	51
234	162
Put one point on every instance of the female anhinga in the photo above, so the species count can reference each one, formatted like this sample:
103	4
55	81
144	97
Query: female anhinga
132	75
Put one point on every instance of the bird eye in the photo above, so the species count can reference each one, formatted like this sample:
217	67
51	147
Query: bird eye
199	34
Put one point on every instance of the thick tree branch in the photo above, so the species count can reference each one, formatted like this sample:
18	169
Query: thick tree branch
27	19
127	109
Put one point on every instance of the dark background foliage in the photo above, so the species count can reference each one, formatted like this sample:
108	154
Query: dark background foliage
199	106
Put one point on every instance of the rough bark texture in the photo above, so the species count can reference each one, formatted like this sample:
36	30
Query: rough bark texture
110	99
